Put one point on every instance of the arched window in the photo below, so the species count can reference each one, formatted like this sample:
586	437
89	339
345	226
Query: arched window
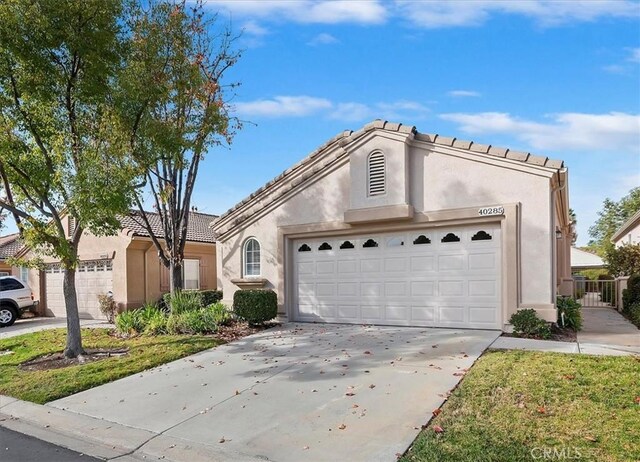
376	174
481	236
251	255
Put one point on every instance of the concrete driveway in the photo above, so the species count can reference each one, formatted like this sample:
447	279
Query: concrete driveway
28	325
296	392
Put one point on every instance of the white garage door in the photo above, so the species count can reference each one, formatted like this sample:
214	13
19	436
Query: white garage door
438	277
92	278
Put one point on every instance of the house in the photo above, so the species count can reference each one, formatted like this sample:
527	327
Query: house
9	245
582	260
127	265
387	225
629	232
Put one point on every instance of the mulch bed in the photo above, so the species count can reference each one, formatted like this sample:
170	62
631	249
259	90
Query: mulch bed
558	334
58	360
238	330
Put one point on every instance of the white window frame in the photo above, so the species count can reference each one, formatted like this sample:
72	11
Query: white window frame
245	260
381	155
184	278
24	274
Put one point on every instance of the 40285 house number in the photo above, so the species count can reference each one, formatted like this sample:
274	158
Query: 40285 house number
487	211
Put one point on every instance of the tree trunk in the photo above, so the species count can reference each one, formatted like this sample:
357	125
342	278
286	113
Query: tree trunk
74	337
175	274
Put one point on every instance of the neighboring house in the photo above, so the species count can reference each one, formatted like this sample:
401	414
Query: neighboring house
583	260
10	245
127	265
387	225
629	232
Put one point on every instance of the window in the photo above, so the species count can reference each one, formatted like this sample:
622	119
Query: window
422	239
24	274
347	245
481	236
376	174
304	248
395	242
191	274
450	237
71	225
251	257
324	246
10	284
370	243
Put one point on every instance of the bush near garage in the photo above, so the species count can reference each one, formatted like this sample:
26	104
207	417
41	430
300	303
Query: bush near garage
210	297
256	306
526	323
572	311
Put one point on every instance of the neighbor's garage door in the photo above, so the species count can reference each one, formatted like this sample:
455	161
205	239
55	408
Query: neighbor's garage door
92	278
438	277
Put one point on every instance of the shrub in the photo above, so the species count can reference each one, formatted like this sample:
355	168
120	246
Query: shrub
220	313
209	297
527	323
631	294
129	323
183	300
107	306
572	313
634	313
623	260
255	306
201	321
153	321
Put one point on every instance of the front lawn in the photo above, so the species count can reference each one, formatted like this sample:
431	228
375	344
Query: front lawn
527	406
44	386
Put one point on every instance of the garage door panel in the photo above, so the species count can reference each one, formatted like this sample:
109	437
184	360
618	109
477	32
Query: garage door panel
424	278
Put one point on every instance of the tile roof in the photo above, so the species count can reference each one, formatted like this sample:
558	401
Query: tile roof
198	230
10	245
348	136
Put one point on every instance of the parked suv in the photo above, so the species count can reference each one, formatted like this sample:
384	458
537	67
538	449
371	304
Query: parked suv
15	298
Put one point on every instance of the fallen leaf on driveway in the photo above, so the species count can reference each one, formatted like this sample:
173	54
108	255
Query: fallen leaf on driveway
237	392
305	447
342	426
367	352
372	386
350	394
458	374
222	440
438	429
434	346
355	406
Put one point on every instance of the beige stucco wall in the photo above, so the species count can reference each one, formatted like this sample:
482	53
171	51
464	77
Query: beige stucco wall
440	179
632	236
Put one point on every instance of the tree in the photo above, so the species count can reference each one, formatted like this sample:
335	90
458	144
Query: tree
180	113
611	218
60	156
574	222
623	260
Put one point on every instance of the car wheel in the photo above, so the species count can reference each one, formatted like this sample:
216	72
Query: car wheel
7	316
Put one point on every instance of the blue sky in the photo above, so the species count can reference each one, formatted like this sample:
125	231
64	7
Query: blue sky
560	79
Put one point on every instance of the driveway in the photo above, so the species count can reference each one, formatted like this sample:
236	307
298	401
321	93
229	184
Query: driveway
296	392
28	325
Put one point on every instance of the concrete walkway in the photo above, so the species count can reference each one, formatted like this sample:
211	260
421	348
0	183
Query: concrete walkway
26	326
296	392
604	332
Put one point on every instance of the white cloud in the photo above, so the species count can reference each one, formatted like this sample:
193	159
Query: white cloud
614	132
615	69
351	111
253	28
634	55
307	11
464	13
322	39
283	106
463	93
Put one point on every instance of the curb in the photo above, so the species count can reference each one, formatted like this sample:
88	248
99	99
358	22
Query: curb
103	439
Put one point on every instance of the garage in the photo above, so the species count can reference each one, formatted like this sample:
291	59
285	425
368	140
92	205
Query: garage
92	279
437	278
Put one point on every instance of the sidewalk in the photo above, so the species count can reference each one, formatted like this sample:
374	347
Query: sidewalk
29	325
604	332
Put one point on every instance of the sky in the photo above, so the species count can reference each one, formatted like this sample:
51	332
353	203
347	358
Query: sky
554	78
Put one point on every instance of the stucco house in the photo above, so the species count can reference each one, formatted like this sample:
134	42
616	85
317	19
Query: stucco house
127	265
10	245
387	225
629	232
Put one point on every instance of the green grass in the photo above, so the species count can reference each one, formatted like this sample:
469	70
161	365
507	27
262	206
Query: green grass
44	386
590	411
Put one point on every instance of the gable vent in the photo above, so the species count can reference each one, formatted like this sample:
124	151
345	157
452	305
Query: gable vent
377	174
